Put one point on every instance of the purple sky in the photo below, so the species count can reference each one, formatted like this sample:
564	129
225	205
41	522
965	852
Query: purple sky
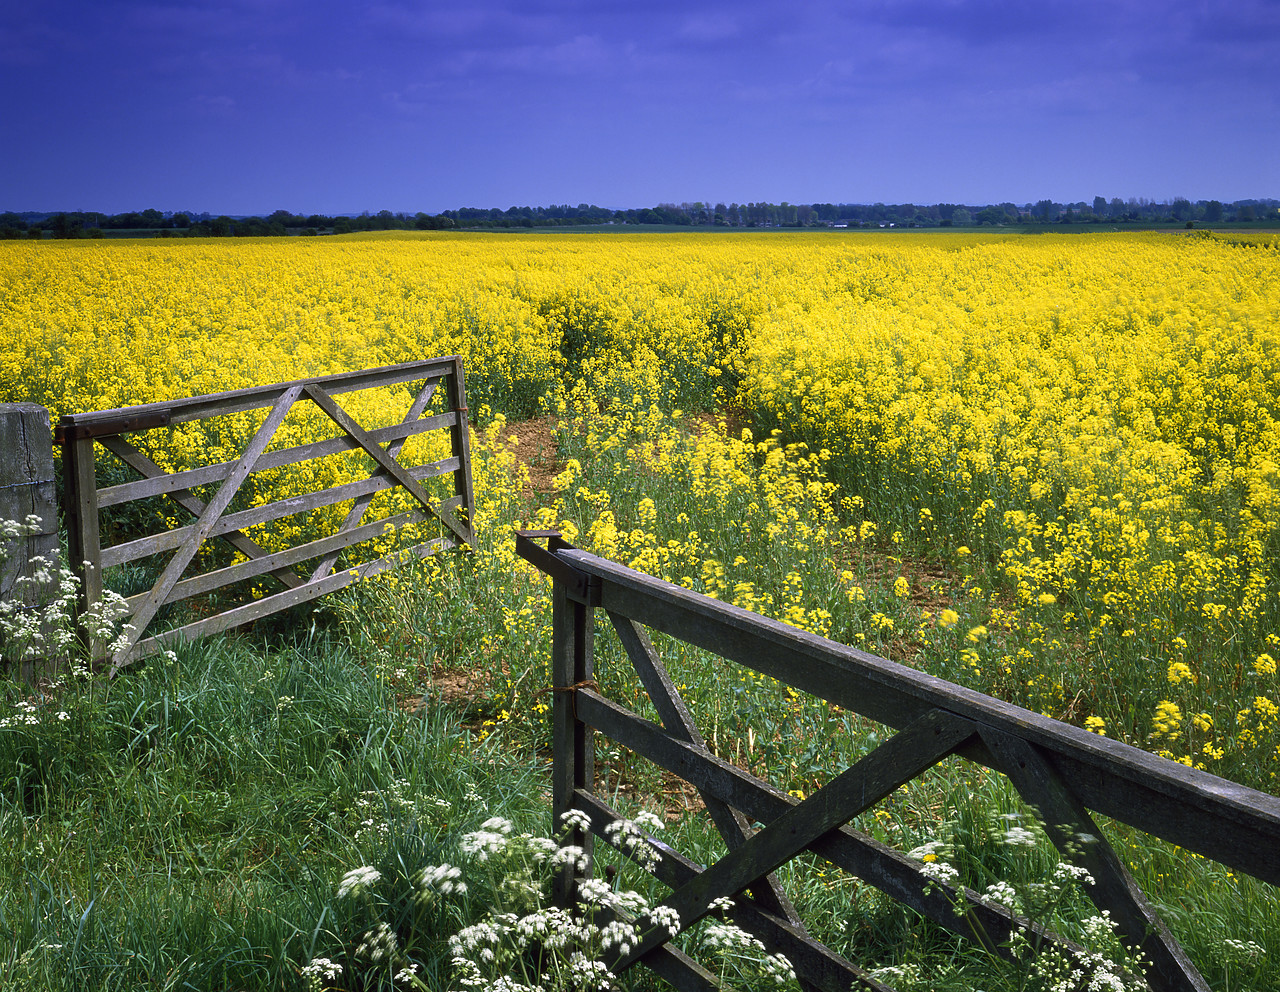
248	106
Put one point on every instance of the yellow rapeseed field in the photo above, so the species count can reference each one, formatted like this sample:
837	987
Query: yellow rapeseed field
1088	424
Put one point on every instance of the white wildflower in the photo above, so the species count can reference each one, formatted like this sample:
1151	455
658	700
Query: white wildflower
320	973
779	969
575	819
438	880
1002	893
593	892
357	880
939	871
379	944
541	848
571	856
619	934
588	973
627	836
1018	837
482	844
665	917
1065	872
931	850
725	937
649	820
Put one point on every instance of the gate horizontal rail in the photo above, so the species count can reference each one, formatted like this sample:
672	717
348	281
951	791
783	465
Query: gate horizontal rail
81	435
1065	773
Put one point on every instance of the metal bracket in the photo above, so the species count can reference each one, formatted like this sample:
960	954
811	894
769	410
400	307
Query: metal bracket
580	587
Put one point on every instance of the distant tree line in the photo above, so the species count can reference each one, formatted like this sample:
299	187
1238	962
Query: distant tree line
1116	212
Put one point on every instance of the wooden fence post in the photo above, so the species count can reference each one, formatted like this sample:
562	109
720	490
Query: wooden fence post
27	490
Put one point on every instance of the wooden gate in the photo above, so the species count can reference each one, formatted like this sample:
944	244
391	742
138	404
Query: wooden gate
81	435
1060	770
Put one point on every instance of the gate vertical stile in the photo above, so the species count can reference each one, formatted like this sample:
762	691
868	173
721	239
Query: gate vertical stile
572	663
460	440
84	544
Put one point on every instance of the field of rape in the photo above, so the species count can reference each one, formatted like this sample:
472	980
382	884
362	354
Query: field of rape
1085	428
1045	467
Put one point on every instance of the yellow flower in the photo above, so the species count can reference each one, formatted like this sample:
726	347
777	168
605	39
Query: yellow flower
901	587
1096	725
948	618
1168	718
1265	665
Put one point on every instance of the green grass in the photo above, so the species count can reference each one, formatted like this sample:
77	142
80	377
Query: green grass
185	827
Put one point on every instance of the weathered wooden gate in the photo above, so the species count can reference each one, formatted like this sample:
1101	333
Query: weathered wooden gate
1060	770
81	434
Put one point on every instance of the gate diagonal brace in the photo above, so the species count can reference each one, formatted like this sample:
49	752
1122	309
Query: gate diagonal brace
375	451
913	750
212	511
958	909
816	965
238	539
1075	834
676	718
357	512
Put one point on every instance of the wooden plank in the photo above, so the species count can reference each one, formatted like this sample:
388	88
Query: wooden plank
862	856
816	965
161	485
1230	823
272	604
1075	834
202	527
675	716
908	753
210	581
357	511
256	397
118	554
388	463
239	540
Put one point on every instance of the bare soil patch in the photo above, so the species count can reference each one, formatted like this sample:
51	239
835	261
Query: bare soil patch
538	450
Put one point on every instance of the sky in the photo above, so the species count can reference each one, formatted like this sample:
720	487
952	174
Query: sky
320	106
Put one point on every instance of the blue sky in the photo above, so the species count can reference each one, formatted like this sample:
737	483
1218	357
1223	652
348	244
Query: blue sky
248	106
